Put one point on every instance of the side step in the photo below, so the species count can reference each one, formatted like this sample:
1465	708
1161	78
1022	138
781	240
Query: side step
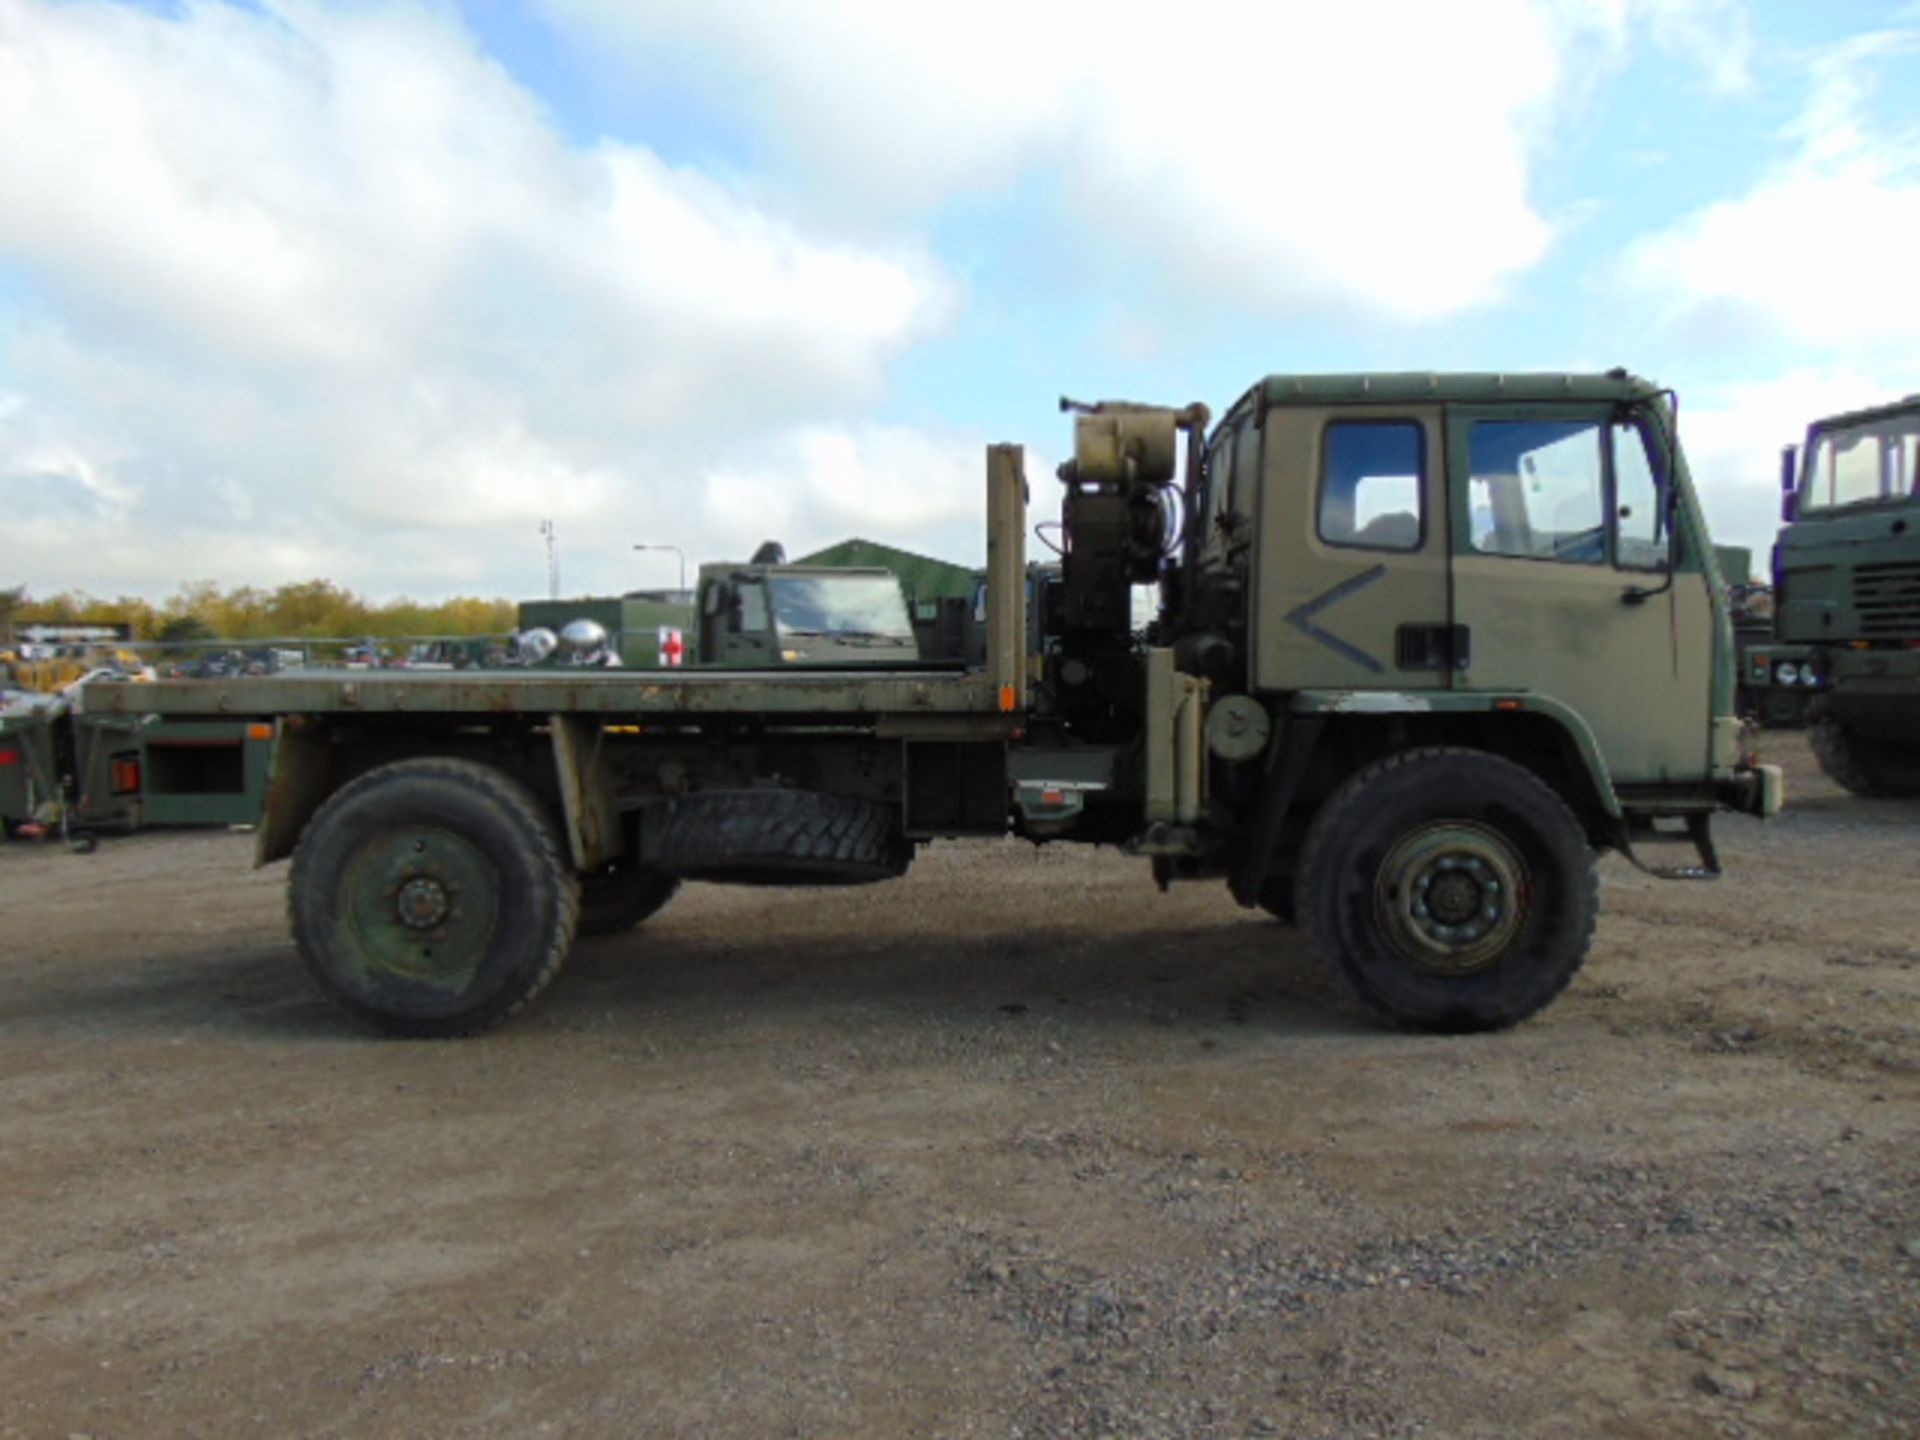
1698	833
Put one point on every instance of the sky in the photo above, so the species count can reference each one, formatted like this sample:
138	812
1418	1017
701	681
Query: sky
369	291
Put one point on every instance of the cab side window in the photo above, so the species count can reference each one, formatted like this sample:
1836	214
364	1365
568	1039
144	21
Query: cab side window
1246	470
749	615
1219	483
1536	490
1639	502
1372	484
1852	470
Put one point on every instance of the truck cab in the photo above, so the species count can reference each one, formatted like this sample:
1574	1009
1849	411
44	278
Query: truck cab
769	617
1440	545
1847	596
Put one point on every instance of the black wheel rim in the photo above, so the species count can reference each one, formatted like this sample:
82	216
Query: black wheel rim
1451	896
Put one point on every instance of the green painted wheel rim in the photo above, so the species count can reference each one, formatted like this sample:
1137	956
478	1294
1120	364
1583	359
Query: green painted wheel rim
421	905
1452	897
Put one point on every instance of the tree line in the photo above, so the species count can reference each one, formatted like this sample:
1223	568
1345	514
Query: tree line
307	609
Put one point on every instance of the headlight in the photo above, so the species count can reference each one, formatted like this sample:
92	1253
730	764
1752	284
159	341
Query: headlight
1787	673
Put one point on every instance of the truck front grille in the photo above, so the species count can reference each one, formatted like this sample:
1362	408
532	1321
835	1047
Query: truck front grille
1887	599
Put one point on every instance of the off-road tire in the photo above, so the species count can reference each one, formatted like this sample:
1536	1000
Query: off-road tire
620	896
512	899
1380	811
775	837
1872	769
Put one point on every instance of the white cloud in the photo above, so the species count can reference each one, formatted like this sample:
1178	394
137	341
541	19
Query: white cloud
1292	156
818	484
1813	257
321	290
1715	37
331	275
1819	249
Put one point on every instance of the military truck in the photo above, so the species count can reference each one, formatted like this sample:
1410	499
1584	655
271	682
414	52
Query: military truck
762	614
1846	614
769	614
77	774
1428	645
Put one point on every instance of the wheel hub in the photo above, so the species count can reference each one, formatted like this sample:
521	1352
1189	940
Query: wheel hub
1452	896
421	905
423	902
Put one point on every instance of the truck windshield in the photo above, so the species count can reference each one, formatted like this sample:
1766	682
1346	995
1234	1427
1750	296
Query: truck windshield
1860	464
862	605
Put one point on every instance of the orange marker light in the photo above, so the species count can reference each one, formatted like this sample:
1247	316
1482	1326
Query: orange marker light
1009	699
259	732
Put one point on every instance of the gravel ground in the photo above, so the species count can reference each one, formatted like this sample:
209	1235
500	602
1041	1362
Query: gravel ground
1014	1146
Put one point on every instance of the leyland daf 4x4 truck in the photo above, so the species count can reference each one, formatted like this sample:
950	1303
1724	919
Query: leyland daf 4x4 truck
1846	602
1427	646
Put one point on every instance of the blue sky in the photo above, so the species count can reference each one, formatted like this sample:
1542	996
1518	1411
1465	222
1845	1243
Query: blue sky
367	291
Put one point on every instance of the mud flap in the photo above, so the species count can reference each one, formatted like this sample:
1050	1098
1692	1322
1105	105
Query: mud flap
595	837
297	776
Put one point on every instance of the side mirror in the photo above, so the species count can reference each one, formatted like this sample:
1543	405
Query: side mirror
1789	483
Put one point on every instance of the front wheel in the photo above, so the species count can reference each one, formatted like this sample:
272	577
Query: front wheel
1448	890
431	897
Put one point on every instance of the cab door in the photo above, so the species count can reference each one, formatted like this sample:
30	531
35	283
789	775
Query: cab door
1561	549
736	626
1350	591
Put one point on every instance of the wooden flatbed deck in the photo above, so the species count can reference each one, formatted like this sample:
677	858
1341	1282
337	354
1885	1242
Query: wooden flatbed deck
660	694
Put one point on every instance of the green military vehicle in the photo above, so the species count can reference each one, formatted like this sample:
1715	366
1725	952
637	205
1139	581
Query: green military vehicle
77	774
766	614
1846	603
639	630
769	614
1428	645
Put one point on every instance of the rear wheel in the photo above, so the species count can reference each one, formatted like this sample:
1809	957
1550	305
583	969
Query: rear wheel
1448	890
1875	769
432	898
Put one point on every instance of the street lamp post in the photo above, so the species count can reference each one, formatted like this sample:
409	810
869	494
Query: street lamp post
678	552
553	559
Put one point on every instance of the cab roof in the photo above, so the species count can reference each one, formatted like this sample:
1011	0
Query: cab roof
1892	410
1482	388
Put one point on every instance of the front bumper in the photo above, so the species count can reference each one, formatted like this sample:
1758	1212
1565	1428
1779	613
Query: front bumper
1757	790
